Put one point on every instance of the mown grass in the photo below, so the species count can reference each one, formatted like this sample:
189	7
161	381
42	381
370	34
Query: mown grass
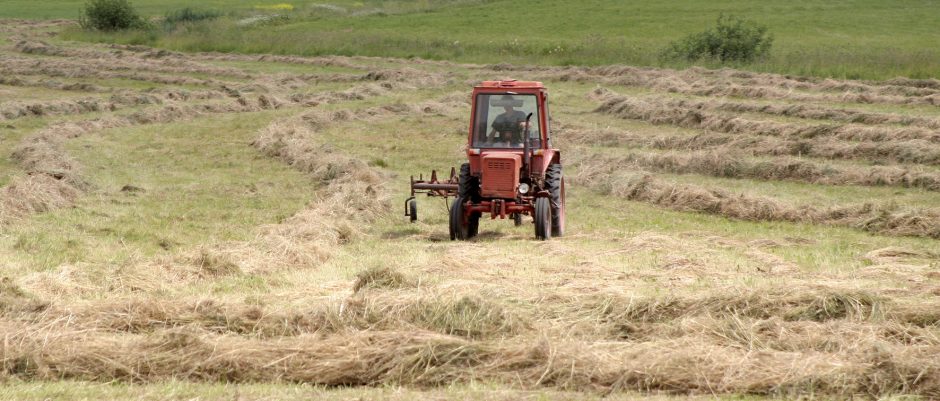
856	39
159	189
202	183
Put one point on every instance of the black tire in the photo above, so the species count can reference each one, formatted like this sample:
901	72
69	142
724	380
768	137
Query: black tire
543	219
458	229
473	225
517	219
555	184
469	186
413	210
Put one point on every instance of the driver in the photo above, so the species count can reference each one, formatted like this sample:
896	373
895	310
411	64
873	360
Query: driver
508	126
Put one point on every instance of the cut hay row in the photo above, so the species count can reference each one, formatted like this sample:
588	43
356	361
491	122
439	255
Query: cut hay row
823	148
825	141
353	62
18	109
897	87
693	114
733	89
776	343
729	75
731	156
171	62
118	61
274	83
736	83
384	299
764	92
814	112
605	175
729	163
13	80
323	61
427	359
59	68
14	25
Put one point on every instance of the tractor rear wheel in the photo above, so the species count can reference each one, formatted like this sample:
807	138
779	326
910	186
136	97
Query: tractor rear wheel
555	184
543	219
460	229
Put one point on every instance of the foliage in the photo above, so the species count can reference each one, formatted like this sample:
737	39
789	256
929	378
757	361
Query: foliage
188	15
110	15
732	39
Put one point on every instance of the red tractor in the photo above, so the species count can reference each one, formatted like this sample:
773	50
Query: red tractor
512	169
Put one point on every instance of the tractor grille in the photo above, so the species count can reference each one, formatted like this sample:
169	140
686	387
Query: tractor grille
499	176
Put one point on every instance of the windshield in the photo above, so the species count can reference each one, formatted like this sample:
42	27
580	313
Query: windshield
500	121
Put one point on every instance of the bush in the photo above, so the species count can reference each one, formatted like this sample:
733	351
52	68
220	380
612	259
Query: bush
188	15
110	15
732	39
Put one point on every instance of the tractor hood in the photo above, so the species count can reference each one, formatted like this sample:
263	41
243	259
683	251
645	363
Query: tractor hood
500	174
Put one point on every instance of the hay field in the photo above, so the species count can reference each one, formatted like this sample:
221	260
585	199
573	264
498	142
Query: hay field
220	226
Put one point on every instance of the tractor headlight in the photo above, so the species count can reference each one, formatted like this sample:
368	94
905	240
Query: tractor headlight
523	188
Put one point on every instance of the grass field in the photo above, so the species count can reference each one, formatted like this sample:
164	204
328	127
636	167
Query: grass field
853	39
228	226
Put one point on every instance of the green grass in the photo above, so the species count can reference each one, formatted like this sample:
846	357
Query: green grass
852	39
70	9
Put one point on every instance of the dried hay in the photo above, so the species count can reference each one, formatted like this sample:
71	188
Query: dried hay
810	140
728	162
595	171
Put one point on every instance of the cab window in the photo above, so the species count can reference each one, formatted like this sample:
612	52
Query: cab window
500	120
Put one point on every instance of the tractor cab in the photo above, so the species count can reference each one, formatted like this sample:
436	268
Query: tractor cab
511	170
508	136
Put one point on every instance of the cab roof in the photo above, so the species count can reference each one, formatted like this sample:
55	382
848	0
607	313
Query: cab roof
510	84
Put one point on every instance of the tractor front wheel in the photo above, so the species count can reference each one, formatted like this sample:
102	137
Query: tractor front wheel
543	219
461	229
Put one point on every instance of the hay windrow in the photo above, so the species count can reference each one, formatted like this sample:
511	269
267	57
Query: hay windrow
117	61
736	83
420	358
699	115
784	341
728	162
827	140
597	172
813	112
